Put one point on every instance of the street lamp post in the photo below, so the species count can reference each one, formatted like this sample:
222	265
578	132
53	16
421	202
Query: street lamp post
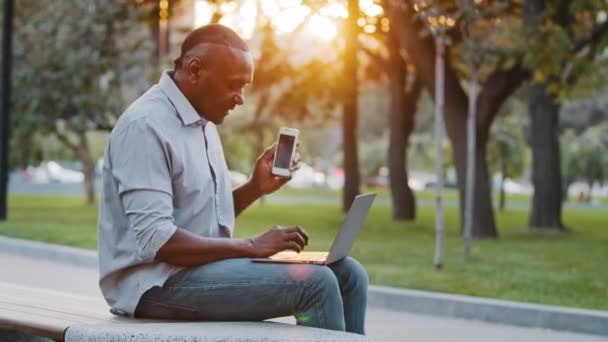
7	54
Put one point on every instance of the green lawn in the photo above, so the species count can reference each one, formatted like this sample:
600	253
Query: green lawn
450	194
561	269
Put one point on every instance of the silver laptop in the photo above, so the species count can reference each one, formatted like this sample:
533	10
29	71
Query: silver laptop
342	244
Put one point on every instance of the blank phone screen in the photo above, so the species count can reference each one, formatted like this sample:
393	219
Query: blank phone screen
283	158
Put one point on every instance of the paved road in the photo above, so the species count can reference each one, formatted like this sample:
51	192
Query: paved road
382	325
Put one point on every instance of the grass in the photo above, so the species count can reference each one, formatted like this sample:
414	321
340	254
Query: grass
450	194
559	269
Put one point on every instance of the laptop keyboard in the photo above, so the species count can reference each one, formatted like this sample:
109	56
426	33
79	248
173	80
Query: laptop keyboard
303	256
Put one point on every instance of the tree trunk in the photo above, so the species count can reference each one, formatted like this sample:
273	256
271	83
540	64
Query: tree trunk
546	210
503	171
503	198
483	214
88	167
484	225
401	124
350	109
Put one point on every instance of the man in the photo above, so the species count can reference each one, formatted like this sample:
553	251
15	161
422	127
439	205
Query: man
167	211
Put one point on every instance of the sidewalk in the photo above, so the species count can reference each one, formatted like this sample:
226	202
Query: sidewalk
382	324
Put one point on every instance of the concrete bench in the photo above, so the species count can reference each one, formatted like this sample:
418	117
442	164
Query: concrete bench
31	314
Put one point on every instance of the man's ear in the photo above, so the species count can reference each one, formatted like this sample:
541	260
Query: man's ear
196	71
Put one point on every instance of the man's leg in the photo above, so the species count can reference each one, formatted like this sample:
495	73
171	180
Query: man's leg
353	281
242	290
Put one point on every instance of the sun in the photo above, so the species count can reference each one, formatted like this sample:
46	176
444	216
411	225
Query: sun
321	27
289	15
286	16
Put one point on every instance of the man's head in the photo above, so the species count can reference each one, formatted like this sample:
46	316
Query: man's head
212	70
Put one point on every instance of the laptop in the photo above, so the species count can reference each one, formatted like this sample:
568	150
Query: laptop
342	244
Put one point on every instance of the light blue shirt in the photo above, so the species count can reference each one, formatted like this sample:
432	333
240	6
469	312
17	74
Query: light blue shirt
163	168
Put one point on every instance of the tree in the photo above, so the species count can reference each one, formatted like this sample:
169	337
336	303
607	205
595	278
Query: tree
501	76
403	107
350	107
157	14
564	39
478	24
73	62
383	63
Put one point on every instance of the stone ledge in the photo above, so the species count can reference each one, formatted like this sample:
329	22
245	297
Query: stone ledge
205	331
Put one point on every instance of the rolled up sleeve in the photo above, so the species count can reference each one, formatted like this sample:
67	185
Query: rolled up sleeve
150	216
141	166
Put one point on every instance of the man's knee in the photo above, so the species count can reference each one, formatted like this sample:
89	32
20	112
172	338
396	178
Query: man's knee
321	287
356	271
324	281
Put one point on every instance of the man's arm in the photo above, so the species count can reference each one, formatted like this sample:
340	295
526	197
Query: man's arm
188	249
244	195
262	182
185	248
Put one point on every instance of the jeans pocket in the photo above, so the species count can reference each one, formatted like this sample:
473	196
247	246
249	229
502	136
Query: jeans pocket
153	309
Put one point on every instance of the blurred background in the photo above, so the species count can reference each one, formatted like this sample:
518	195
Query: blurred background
357	78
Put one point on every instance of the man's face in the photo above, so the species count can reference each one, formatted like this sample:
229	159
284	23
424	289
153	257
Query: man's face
221	87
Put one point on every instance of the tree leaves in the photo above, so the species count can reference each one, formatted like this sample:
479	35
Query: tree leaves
73	61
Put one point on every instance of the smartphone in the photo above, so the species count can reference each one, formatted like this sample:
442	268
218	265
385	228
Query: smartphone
285	150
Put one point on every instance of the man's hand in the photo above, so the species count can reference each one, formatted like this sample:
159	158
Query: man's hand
278	239
263	179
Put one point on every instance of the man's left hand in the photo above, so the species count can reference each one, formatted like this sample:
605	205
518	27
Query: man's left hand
263	179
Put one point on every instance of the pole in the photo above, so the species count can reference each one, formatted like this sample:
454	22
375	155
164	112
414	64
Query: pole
469	207
439	134
7	54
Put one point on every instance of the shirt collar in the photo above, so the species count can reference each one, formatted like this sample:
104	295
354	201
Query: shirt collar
186	112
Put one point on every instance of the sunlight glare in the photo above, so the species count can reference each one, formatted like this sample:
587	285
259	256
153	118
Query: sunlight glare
370	8
290	3
270	8
245	21
202	13
322	27
285	16
334	10
228	7
290	18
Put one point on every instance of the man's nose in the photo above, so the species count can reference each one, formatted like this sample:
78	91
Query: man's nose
238	99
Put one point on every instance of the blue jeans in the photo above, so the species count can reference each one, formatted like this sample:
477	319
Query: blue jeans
330	297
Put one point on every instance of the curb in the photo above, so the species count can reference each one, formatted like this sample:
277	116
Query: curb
413	301
67	255
491	310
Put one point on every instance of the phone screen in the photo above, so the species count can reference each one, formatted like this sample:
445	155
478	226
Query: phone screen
284	149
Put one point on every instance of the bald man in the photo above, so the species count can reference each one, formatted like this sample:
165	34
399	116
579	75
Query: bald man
167	209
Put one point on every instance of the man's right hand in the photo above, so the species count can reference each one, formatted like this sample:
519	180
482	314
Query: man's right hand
278	239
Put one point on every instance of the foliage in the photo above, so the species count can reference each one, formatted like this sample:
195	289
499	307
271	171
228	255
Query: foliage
586	156
507	147
565	42
76	65
373	156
